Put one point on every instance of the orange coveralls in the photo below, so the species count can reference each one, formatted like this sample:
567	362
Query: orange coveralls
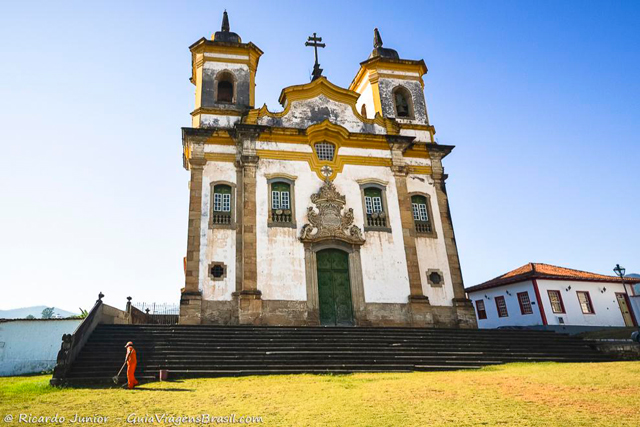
132	361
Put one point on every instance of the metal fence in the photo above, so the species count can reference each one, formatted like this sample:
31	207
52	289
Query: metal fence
159	313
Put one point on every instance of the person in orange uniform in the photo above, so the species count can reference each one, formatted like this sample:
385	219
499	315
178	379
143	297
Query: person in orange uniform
132	361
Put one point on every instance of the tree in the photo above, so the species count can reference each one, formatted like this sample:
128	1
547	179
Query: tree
83	315
47	313
31	316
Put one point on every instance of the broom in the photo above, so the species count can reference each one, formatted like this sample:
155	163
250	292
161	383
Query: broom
117	377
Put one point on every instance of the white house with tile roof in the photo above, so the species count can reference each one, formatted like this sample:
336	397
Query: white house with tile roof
543	294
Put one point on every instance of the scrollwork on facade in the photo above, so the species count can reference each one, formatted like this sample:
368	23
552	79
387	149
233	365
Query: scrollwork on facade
329	222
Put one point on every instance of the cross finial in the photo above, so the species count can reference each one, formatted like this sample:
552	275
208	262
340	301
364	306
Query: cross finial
315	42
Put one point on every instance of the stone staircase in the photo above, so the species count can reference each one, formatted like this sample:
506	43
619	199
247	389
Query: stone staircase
212	351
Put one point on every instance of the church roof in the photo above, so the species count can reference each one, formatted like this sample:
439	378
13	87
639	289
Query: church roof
225	35
379	51
549	272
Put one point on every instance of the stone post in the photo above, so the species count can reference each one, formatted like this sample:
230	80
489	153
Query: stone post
191	298
464	309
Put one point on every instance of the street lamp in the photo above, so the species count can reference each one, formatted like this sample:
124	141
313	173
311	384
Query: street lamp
620	271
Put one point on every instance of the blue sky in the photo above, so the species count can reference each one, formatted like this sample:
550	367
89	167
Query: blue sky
541	100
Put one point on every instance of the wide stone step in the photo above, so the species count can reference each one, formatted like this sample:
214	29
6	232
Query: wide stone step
209	350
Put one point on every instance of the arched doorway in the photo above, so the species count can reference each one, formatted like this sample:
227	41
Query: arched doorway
334	288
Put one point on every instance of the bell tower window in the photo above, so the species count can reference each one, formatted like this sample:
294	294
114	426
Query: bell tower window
225	88
402	102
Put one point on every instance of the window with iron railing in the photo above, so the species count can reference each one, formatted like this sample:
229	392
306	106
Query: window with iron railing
221	214
421	218
376	216
281	203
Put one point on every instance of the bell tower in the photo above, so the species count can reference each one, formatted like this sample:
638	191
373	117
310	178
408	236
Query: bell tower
223	71
390	86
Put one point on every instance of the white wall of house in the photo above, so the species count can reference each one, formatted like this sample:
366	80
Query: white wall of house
31	346
515	318
605	305
607	310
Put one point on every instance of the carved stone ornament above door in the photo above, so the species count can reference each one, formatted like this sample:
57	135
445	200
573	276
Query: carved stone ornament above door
330	223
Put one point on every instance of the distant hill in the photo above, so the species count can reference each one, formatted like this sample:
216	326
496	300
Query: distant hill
35	311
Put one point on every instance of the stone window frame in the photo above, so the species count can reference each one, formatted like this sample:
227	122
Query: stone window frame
431	283
433	234
224	268
408	97
234	81
288	179
232	224
382	186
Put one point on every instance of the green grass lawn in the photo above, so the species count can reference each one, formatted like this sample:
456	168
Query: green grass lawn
544	394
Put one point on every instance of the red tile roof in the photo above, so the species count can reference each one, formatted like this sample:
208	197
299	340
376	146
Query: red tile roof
547	271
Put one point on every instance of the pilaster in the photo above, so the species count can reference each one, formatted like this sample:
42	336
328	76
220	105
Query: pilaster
191	298
247	293
464	308
408	232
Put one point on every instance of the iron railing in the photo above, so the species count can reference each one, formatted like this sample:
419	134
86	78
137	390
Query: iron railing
159	313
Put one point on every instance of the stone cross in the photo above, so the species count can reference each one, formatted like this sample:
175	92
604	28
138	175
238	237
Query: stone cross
315	42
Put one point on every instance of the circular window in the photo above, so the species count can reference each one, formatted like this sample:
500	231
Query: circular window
217	271
435	278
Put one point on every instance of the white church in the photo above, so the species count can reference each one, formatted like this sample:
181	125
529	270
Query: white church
331	211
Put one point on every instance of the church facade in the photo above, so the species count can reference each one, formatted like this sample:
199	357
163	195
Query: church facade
332	211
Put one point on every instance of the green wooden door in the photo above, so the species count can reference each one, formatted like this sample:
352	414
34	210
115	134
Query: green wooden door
334	289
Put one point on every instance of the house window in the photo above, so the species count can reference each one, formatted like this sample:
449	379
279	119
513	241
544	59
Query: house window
221	212
374	208
402	101
525	303
501	305
585	302
225	88
281	202
555	299
325	151
421	216
482	313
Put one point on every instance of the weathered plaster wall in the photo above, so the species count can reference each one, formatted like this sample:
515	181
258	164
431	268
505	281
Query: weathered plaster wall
281	268
304	113
432	253
29	346
242	80
384	266
216	120
386	87
419	135
217	244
